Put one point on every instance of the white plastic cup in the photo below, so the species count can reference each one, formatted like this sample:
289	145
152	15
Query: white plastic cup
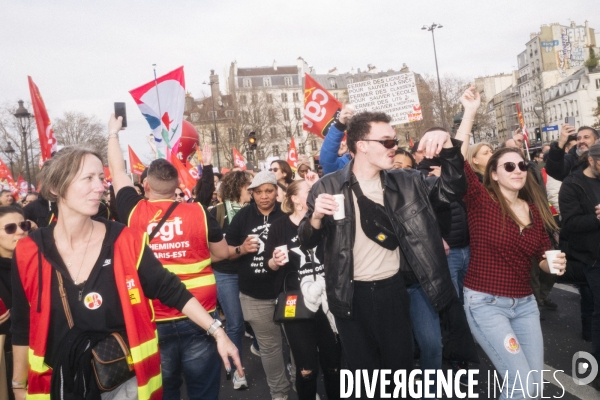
550	257
254	238
285	250
341	212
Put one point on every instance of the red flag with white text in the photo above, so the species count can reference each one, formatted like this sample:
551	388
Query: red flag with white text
22	186
321	108
292	156
238	160
135	165
522	123
42	121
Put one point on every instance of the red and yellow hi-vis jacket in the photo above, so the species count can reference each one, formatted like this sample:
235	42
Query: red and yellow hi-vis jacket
181	246
137	310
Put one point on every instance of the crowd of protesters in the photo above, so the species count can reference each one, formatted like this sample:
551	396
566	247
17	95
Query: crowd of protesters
390	253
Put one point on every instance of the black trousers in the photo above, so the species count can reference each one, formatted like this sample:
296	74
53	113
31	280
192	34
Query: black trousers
379	336
313	342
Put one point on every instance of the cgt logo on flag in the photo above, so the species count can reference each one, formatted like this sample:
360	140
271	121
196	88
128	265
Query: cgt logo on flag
292	158
238	159
320	108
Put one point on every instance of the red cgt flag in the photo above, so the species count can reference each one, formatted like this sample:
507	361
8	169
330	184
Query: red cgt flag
187	181
42	121
320	108
107	175
135	164
238	160
292	157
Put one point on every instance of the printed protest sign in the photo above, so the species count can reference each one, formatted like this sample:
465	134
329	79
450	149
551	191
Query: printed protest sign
394	95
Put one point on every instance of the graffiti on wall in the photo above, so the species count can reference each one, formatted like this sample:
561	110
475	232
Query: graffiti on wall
571	55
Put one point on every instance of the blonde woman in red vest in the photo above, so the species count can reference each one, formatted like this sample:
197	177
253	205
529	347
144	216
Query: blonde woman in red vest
108	275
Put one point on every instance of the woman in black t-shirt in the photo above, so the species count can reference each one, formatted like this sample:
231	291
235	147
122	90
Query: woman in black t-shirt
312	341
246	236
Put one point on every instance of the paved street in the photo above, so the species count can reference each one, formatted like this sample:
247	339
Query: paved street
562	338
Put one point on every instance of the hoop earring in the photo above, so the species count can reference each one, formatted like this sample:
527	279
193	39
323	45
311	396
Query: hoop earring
301	207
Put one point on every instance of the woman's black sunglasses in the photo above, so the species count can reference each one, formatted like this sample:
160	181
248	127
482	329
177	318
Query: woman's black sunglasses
180	194
12	228
511	166
387	143
273	169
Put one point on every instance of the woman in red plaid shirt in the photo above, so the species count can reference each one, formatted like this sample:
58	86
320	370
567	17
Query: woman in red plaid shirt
508	223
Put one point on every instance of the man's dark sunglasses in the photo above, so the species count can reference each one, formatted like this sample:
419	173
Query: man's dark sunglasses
12	228
511	166
387	143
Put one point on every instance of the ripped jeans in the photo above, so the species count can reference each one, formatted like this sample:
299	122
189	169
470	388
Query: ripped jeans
508	329
313	342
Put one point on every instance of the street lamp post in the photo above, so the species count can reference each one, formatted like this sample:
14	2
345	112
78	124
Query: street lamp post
212	95
23	116
10	151
432	28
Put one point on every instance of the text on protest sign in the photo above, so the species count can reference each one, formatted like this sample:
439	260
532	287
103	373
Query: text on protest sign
394	95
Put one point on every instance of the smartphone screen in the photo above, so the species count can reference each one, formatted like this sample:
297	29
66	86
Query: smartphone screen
570	121
120	112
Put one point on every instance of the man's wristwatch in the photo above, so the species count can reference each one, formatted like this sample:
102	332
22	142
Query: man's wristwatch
237	250
214	326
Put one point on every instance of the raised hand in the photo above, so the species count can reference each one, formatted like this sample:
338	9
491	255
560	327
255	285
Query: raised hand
470	99
433	142
206	155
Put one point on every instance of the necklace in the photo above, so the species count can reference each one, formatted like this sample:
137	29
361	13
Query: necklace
84	253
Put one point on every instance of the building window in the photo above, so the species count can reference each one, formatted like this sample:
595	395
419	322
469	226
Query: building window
212	114
313	145
288	131
332	83
255	98
243	99
229	113
271	115
269	98
350	80
287	81
284	97
297	113
195	117
231	135
261	154
273	132
213	137
286	114
301	149
298	130
276	151
296	95
266	81
247	82
597	83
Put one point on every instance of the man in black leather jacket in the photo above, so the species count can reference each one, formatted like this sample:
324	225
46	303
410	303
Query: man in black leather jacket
367	294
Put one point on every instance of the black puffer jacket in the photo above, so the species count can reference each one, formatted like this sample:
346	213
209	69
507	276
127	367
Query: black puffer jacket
409	203
580	226
558	164
454	225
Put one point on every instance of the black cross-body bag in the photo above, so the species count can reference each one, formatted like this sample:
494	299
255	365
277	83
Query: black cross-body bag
374	220
162	221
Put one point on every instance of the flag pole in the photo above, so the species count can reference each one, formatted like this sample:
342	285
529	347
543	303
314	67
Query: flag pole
159	111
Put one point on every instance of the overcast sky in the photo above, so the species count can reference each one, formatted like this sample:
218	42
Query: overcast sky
84	55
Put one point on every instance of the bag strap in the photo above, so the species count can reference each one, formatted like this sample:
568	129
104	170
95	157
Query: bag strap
162	221
65	301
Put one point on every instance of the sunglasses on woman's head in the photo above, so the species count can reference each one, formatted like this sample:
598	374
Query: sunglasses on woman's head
511	166
273	169
12	228
387	143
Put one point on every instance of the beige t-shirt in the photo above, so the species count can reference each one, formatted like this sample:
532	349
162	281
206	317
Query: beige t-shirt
372	262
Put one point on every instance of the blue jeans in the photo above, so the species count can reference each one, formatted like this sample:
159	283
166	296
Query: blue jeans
458	262
228	294
508	329
426	330
186	348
